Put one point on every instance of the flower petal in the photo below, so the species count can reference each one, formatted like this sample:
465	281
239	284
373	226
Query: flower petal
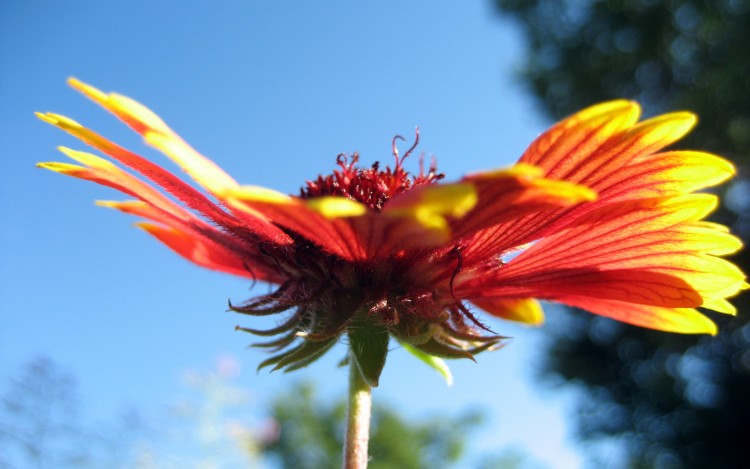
103	172
639	251
432	205
202	251
431	215
602	148
172	184
507	195
683	320
646	138
336	207
157	133
720	305
663	174
155	206
562	148
592	144
525	310
334	235
416	219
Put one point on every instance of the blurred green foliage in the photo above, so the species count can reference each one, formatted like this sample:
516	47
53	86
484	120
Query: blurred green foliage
310	435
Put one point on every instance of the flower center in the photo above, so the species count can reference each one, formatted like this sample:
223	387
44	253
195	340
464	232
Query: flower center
372	186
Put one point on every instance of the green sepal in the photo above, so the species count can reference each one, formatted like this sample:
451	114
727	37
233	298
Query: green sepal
277	344
440	349
308	352
496	345
304	353
276	358
311	358
286	326
436	363
368	343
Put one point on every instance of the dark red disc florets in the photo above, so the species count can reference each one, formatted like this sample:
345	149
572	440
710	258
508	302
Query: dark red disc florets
371	186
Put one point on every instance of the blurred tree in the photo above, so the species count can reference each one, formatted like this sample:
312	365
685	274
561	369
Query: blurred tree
41	424
214	425
39	420
674	401
309	435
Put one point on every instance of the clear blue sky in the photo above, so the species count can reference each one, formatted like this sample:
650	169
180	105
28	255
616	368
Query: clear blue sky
272	91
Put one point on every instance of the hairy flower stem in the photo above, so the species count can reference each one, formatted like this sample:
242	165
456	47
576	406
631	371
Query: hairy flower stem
357	420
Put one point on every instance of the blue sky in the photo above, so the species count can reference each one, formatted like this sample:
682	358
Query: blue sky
272	91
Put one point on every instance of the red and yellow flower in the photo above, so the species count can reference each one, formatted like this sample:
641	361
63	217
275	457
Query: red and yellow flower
594	215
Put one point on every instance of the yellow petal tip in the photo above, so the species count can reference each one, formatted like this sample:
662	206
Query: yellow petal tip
46	117
87	89
256	194
336	207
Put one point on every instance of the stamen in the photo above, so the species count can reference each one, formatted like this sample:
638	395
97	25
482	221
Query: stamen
416	142
372	186
394	150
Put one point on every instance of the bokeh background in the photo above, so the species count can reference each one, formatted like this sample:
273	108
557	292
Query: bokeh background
137	341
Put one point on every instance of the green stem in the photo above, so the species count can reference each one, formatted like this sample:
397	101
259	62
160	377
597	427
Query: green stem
357	420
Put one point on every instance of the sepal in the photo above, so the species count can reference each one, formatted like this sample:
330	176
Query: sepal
368	347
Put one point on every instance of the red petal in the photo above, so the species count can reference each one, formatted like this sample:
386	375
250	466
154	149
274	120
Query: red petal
206	253
103	172
334	235
168	181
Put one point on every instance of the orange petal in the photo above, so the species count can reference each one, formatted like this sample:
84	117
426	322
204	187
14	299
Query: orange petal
602	148
525	310
683	320
562	148
664	174
643	139
631	251
598	141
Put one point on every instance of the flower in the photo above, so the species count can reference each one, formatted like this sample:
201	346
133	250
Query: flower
594	215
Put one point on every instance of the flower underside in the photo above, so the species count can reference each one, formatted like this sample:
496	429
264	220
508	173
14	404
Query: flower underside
603	219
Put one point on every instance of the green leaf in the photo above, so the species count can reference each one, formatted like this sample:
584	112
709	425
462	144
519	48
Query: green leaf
436	363
368	342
